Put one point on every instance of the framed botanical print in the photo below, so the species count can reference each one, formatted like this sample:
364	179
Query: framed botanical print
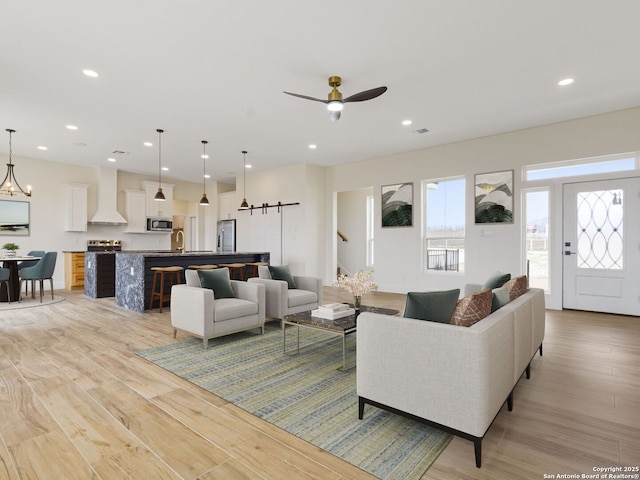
494	197
397	205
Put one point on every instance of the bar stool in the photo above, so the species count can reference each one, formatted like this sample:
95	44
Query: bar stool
252	268
158	275
234	268
202	267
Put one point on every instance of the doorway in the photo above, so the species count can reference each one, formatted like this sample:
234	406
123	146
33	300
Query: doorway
601	246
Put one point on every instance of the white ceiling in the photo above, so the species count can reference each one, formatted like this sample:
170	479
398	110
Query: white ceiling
215	70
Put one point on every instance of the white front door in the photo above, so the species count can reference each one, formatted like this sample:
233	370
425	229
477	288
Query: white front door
601	246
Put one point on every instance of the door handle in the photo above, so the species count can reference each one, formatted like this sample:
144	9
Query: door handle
567	252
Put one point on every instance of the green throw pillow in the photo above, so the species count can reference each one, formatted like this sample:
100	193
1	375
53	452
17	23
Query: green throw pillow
496	280
500	297
433	306
282	272
218	281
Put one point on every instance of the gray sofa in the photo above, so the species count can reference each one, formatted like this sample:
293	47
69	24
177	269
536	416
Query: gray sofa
451	377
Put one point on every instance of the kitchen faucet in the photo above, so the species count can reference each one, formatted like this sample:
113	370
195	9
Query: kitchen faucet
180	236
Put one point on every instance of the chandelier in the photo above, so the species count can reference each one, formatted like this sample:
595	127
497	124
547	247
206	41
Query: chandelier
10	185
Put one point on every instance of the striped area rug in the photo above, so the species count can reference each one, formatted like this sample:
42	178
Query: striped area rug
307	395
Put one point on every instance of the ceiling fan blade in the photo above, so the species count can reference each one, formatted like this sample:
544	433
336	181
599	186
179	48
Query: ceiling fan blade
366	95
307	97
334	116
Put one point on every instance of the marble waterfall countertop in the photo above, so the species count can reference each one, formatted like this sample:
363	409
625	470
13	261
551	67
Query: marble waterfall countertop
134	277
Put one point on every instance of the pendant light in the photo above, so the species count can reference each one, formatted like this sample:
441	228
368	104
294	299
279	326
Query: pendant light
10	185
159	195
204	200
244	205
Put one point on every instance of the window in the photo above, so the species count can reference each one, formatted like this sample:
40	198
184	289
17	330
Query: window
537	237
370	224
444	220
581	167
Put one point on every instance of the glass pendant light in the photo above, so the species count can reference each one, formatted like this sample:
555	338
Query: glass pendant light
204	200
244	205
159	195
10	185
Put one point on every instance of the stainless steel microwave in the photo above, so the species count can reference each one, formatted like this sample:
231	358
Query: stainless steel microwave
159	224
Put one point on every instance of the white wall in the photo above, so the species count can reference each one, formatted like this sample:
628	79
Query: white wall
47	209
398	251
309	229
352	223
302	233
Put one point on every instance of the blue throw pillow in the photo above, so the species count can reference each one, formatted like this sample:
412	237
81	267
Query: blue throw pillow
433	306
496	280
217	280
282	272
500	297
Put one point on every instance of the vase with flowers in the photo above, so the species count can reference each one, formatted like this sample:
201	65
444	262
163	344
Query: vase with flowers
357	285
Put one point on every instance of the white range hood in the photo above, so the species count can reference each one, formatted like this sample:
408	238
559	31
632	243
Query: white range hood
107	213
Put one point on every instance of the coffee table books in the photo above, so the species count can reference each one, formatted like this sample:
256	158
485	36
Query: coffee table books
332	311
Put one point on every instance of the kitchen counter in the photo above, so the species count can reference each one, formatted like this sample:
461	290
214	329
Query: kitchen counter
134	277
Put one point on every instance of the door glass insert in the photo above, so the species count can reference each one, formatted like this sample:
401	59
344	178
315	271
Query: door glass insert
600	232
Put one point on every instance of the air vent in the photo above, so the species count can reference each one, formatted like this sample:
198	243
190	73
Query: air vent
79	144
120	152
421	130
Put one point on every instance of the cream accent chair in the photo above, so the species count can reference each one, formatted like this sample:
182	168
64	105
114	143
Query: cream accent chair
282	301
195	310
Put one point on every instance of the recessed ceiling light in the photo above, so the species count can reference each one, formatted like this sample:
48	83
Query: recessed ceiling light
111	159
90	73
204	156
42	147
406	122
165	169
313	147
207	175
248	166
148	144
565	82
72	127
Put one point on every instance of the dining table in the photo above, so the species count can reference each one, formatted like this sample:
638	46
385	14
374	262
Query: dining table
14	279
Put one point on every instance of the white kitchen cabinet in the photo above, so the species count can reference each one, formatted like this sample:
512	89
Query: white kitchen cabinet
227	208
155	208
75	200
135	202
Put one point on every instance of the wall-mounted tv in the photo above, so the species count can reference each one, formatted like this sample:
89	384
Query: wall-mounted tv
14	218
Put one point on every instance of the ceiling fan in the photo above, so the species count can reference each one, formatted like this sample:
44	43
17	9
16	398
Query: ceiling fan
335	102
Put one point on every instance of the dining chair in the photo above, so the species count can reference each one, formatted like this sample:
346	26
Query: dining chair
40	271
30	263
5	276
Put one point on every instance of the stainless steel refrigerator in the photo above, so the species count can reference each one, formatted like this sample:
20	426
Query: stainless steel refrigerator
227	236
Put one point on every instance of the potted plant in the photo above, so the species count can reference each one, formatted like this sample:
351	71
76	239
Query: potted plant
10	249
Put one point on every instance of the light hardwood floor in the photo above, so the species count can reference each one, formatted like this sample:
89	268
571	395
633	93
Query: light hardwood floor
77	403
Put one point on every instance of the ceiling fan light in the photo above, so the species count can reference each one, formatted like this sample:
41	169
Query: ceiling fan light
334	106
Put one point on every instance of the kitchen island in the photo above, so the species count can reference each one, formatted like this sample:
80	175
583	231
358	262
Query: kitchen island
134	277
100	274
